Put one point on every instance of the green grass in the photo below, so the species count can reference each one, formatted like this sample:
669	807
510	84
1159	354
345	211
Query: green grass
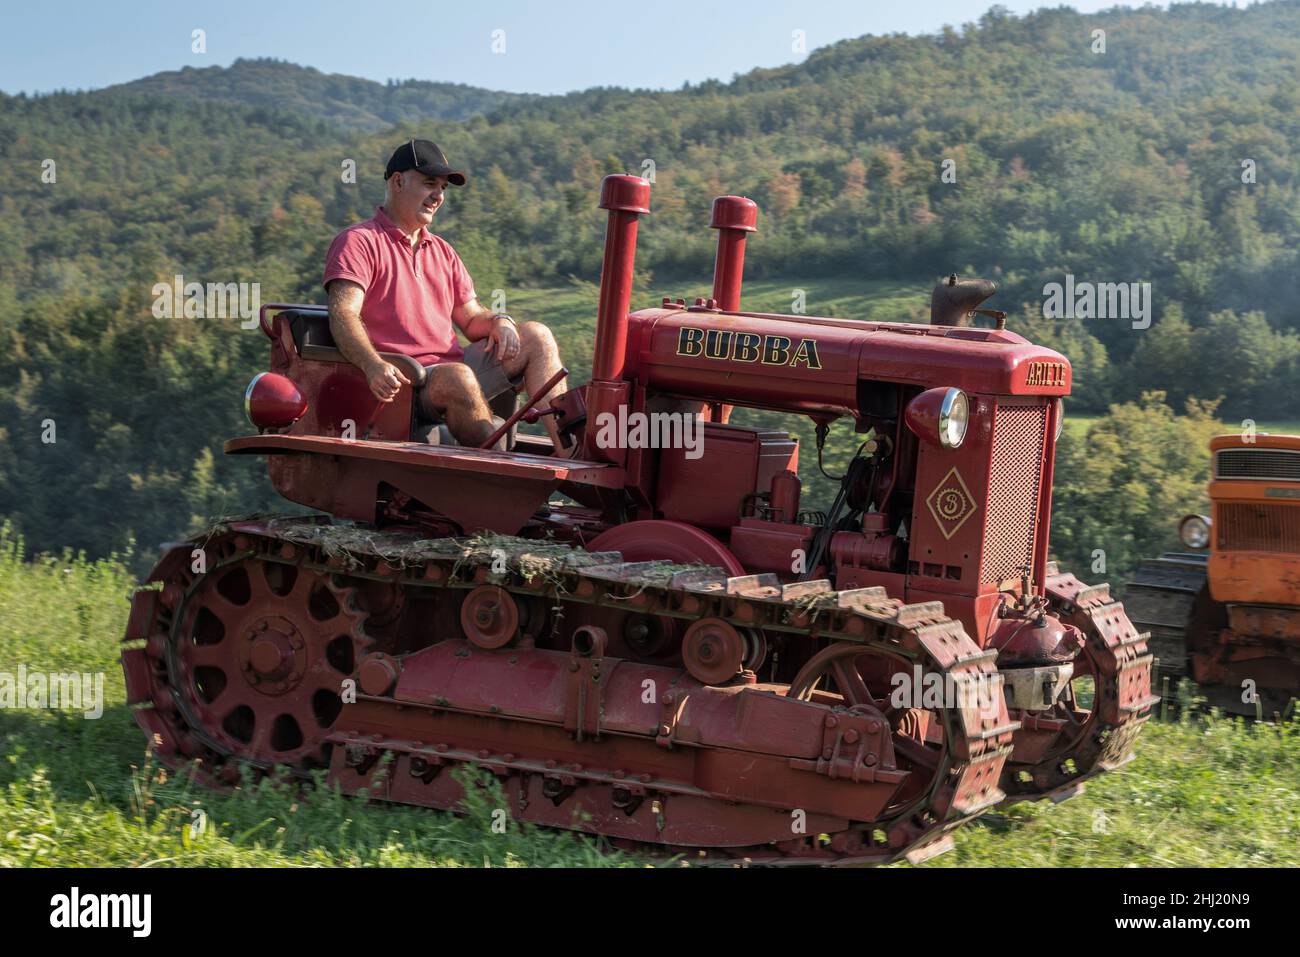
76	792
1204	791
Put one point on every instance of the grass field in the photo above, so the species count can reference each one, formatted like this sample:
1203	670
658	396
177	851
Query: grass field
78	792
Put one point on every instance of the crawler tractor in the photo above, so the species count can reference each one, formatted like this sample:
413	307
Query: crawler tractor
1227	613
664	646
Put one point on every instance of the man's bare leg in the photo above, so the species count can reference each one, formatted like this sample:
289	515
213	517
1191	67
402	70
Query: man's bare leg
538	360
452	389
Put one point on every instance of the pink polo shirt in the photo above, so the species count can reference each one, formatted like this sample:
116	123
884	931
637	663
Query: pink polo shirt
410	291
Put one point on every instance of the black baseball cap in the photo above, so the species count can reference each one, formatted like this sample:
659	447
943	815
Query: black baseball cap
425	157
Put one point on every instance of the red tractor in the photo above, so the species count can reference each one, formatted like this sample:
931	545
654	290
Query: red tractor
654	641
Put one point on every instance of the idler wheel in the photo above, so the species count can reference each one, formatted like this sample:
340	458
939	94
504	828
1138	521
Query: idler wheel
489	617
713	651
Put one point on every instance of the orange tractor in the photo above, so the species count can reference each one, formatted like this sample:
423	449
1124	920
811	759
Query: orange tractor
1227	615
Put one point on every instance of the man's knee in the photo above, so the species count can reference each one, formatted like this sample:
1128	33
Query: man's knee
536	334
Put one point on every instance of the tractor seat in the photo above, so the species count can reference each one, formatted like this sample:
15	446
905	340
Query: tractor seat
310	328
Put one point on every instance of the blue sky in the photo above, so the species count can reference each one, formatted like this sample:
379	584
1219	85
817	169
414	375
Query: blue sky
549	47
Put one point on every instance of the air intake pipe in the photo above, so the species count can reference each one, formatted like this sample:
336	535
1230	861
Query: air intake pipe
734	217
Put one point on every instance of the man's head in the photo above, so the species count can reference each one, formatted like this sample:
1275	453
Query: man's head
417	176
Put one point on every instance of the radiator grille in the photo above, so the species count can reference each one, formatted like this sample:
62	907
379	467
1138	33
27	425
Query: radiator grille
1279	465
1257	528
1015	480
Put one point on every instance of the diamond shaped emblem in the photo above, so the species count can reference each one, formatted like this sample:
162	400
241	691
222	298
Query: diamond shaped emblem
951	503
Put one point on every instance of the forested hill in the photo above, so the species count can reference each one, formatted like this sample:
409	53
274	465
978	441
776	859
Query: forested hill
348	102
1167	158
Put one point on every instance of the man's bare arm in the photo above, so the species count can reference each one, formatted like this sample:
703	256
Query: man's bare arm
477	321
474	319
349	332
345	298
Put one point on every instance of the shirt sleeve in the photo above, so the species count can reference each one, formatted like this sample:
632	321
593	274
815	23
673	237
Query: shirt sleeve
461	283
350	257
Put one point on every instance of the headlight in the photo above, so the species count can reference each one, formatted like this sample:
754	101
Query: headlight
1194	531
954	415
272	401
1060	418
940	416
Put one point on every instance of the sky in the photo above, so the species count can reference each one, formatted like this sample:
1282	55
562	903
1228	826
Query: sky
544	47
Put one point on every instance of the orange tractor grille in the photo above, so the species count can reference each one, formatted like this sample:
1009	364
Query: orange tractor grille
1244	527
1015	482
1277	465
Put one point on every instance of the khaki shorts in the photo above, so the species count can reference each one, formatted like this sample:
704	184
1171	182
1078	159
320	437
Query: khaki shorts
489	372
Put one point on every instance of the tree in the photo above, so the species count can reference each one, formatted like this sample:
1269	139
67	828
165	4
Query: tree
783	193
1123	486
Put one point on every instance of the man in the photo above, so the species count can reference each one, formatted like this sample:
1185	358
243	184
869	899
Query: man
395	287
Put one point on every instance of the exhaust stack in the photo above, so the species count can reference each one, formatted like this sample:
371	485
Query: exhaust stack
954	300
627	198
733	217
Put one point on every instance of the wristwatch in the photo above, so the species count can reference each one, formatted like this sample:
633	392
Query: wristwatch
502	315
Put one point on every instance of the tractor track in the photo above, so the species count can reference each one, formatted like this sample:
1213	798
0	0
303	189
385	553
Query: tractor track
162	686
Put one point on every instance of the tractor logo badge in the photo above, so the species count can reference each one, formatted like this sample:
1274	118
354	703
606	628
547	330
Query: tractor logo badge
951	503
1046	373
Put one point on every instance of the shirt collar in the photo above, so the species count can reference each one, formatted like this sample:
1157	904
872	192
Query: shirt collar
395	231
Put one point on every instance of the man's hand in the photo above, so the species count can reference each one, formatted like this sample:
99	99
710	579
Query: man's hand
385	379
503	339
